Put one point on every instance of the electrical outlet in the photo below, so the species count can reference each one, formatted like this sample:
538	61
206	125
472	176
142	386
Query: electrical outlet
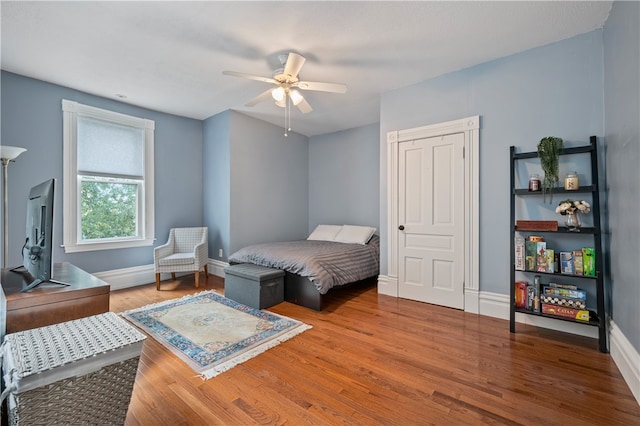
220	253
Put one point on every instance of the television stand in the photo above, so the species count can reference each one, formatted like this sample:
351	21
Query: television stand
48	303
36	282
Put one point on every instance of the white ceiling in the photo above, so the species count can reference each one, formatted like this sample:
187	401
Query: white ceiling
169	56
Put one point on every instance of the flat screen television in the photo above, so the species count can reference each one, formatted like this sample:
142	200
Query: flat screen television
37	251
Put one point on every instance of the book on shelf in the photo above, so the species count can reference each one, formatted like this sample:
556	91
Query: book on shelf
564	312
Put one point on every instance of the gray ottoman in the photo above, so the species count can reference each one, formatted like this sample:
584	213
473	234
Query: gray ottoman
252	285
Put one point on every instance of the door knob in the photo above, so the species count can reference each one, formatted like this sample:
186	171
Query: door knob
401	227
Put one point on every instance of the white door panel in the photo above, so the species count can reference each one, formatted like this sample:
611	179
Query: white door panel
431	211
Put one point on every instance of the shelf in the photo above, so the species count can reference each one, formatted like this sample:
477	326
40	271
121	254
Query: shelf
595	322
585	230
558	274
582	190
565	151
592	234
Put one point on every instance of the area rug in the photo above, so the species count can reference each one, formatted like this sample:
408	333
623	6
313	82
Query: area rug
212	333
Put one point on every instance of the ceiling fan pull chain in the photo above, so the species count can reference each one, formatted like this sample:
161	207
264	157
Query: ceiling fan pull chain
285	118
289	108
287	114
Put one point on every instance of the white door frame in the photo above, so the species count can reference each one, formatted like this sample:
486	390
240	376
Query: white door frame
471	128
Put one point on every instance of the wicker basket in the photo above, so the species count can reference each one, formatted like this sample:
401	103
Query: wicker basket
72	373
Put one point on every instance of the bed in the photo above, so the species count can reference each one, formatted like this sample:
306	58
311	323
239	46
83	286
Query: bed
333	256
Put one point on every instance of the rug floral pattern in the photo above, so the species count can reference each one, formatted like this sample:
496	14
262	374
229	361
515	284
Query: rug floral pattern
213	333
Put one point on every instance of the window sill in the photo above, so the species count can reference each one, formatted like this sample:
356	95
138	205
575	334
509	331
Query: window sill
78	248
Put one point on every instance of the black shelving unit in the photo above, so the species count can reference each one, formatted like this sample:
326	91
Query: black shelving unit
593	233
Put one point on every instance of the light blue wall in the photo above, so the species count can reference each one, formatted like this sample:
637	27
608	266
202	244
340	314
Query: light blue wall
216	160
268	183
552	90
343	177
32	119
622	135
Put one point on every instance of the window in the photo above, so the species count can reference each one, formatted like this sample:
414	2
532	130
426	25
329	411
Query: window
108	179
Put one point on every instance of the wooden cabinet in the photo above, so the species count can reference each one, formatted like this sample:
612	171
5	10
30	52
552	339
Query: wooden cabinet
49	303
583	237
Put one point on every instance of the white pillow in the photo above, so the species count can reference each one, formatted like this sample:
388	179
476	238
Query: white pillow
325	232
355	234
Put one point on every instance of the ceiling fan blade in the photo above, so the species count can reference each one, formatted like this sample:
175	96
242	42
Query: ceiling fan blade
250	77
322	87
261	97
294	64
304	106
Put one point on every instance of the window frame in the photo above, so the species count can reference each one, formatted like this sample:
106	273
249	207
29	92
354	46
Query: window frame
71	180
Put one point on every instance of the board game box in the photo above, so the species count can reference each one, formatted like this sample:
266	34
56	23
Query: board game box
589	262
541	259
520	254
530	253
562	311
566	262
577	262
521	294
573	292
569	302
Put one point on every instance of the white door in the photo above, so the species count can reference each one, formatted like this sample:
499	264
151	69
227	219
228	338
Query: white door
431	220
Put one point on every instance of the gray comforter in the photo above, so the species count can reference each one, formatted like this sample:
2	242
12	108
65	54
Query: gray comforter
326	263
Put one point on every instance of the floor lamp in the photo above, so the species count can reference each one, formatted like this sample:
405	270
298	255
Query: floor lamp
7	155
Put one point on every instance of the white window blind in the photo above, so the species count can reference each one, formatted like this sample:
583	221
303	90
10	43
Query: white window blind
109	149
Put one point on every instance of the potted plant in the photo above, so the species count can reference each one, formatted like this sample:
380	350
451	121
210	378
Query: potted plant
549	153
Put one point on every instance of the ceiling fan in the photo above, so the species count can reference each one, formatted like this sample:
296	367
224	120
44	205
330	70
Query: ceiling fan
287	84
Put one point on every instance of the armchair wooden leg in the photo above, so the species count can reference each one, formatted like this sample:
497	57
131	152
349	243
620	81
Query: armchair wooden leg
173	276
206	273
157	281
197	279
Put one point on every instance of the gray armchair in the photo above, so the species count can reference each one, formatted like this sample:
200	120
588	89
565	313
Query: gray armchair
186	251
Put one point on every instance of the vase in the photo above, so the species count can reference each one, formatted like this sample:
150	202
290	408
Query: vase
572	222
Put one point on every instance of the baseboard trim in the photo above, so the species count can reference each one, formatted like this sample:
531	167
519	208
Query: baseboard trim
127	277
626	357
216	267
123	278
388	285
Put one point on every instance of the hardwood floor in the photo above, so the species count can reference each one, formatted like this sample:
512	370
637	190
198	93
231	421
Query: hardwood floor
372	360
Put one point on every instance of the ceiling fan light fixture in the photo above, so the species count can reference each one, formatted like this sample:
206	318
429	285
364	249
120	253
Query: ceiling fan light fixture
287	81
296	97
278	94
